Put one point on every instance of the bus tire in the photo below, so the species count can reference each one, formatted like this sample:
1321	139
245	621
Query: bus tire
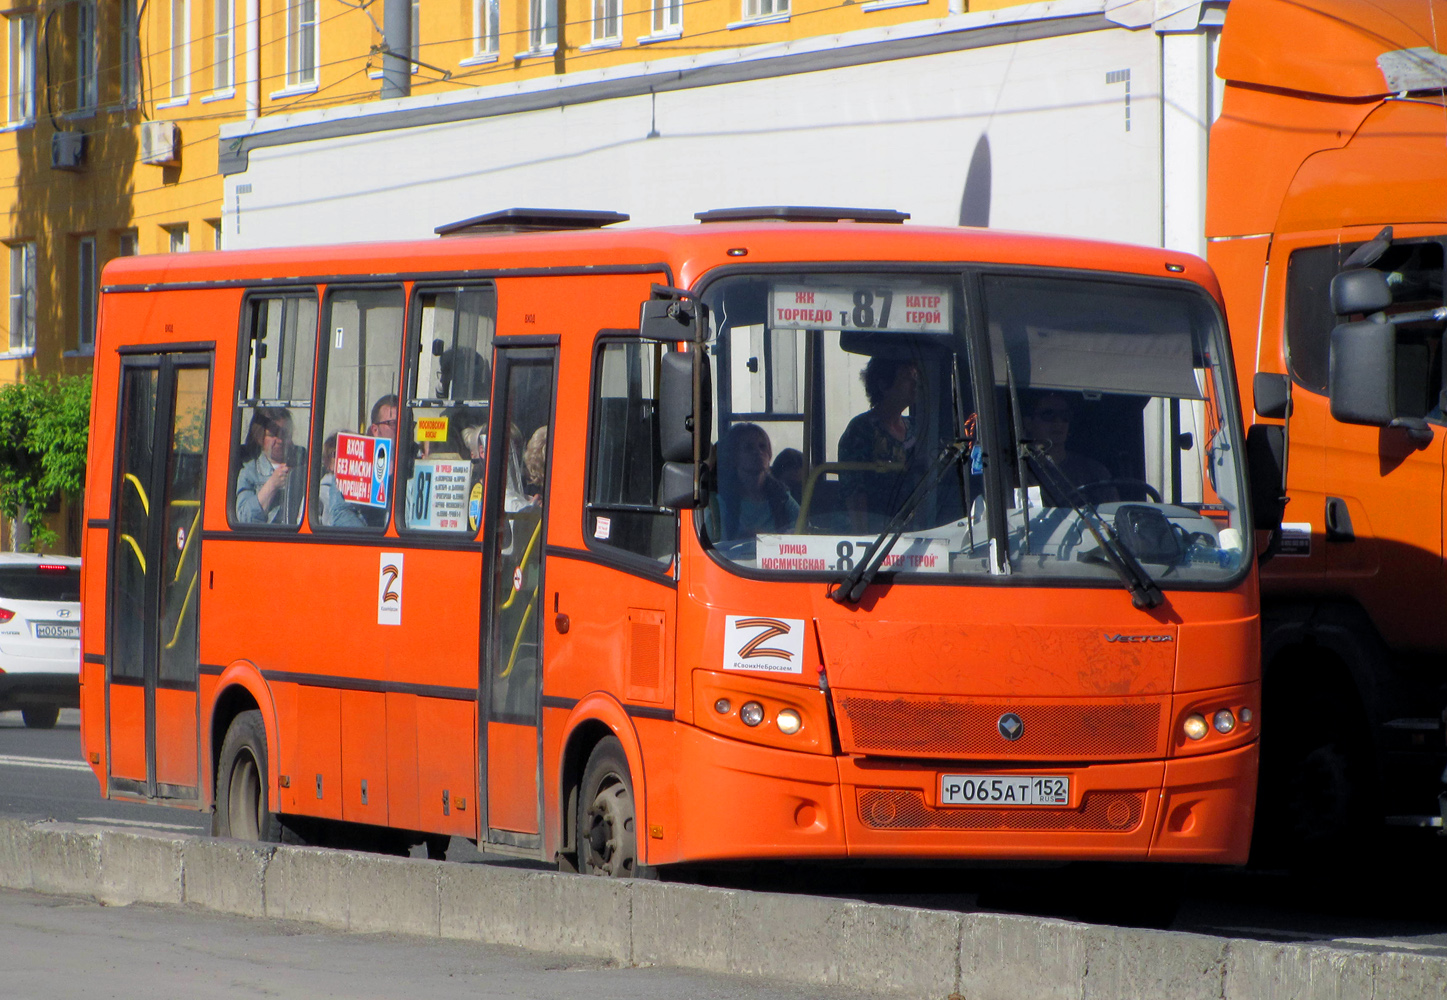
242	810
40	717
607	817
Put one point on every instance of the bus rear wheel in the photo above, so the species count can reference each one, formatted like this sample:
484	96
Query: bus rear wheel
40	717
241	810
607	819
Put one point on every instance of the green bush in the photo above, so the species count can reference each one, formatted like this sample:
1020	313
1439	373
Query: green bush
44	425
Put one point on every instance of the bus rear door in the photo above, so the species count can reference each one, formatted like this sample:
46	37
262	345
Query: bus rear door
522	413
155	558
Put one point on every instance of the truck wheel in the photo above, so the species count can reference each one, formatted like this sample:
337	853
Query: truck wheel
607	821
40	717
241	809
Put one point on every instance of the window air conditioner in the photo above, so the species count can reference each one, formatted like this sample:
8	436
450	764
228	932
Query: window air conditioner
67	150
160	143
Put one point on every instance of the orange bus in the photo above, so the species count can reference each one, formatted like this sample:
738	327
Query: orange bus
796	533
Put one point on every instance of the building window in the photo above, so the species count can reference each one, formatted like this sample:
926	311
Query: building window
130	54
754	9
22	297
213	227
180	51
126	243
87	91
542	24
223	46
607	21
301	43
484	27
85	285
178	239
667	16
416	33
22	69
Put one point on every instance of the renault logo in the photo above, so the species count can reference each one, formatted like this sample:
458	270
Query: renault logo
1011	727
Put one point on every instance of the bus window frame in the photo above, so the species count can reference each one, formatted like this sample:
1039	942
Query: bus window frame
625	560
406	391
243	357
318	435
989	429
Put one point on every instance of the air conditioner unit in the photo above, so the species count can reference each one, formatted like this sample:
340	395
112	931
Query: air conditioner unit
160	143
67	150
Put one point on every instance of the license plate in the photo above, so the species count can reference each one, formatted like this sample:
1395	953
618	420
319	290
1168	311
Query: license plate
50	630
1004	790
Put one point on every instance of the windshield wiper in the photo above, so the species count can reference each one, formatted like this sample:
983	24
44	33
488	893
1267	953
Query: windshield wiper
1143	590
850	588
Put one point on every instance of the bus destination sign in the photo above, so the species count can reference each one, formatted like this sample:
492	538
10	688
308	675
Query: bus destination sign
875	307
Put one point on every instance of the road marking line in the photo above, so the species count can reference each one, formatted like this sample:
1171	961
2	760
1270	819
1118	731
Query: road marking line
61	765
135	822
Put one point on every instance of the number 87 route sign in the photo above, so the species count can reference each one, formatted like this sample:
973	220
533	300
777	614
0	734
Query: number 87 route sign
874	307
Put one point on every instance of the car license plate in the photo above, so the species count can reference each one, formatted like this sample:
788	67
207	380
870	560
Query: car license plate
56	630
1004	790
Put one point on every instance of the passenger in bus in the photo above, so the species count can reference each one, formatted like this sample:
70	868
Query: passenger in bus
748	499
462	374
788	468
535	463
1046	418
337	511
271	485
882	436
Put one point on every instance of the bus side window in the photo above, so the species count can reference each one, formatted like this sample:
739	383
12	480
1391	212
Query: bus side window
448	383
360	409
624	456
273	410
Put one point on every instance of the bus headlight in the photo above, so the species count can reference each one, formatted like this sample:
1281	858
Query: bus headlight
789	722
751	713
1224	721
1195	726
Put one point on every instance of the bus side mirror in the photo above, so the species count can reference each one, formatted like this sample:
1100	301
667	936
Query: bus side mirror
1360	290
685	394
1265	462
1271	394
668	319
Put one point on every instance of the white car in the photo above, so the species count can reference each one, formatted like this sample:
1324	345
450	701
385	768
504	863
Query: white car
39	636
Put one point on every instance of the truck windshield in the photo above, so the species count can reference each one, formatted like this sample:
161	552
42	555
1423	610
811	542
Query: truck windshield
837	394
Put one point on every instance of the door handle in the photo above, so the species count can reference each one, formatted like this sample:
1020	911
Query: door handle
1338	521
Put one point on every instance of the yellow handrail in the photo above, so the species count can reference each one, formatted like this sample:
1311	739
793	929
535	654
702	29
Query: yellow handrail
145	500
523	562
518	639
189	535
182	616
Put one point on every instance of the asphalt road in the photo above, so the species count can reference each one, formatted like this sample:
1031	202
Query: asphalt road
1389	895
58	948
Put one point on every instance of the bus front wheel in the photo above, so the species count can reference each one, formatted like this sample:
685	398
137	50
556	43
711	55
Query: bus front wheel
607	819
241	809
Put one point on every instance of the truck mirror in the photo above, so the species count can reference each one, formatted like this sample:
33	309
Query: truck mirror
1362	372
675	406
1265	463
668	319
676	486
1271	394
1360	290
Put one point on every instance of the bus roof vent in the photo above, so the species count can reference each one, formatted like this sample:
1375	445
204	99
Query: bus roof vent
801	213
530	220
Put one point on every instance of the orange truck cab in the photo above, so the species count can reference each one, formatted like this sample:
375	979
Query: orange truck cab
797	533
1327	216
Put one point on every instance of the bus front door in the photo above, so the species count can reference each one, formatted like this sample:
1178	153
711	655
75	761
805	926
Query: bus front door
155	558
522	412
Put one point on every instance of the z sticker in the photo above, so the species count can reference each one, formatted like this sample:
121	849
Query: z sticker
774	645
389	589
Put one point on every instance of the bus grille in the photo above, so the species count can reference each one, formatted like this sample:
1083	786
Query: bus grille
919	727
900	809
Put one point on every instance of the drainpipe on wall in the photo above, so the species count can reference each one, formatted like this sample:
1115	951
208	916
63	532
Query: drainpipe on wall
253	58
397	37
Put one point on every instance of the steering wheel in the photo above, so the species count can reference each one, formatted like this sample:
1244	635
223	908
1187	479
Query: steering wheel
1139	484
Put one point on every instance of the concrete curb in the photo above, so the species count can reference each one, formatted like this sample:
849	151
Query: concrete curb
916	953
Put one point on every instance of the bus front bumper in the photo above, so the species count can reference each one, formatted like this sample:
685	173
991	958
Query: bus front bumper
743	801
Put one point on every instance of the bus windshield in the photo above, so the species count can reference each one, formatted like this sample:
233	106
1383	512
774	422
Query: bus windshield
1073	425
